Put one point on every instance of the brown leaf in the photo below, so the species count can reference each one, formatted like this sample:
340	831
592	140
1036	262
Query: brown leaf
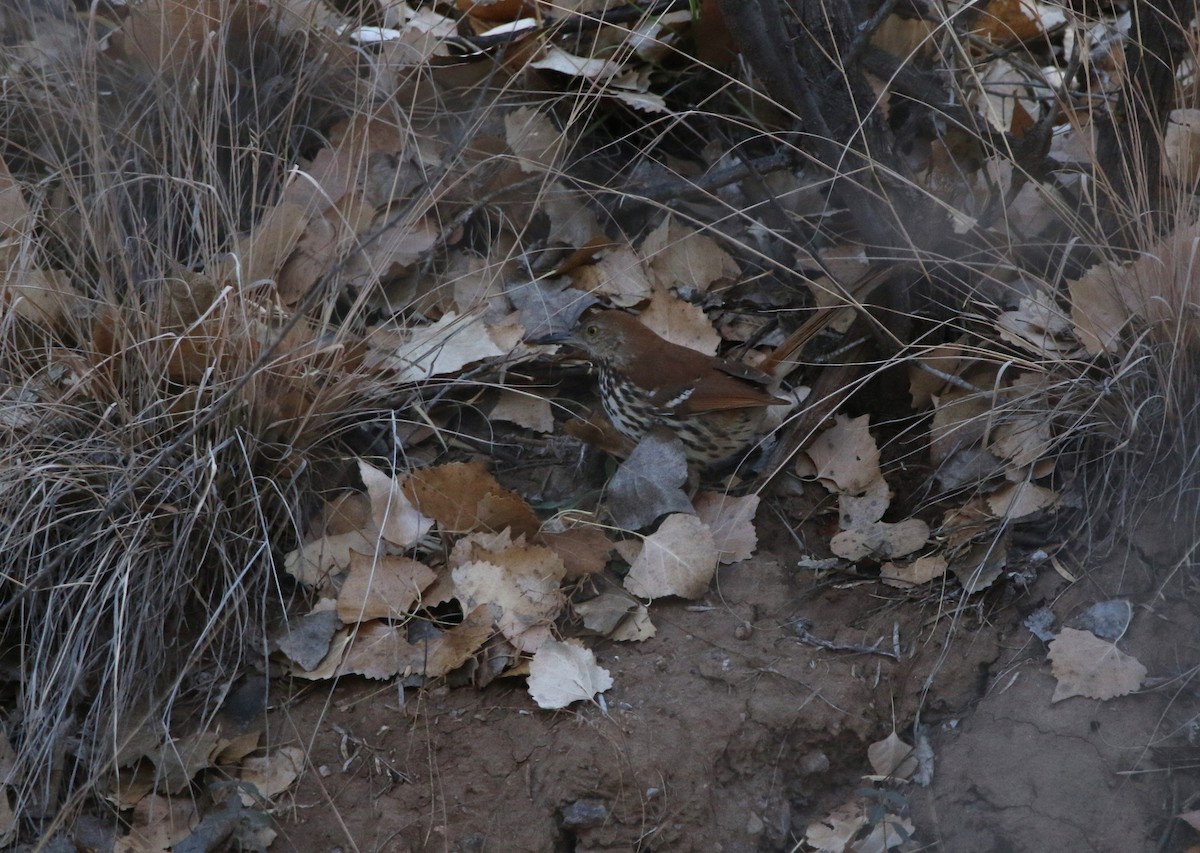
584	550
1087	666
680	322
845	456
381	587
463	497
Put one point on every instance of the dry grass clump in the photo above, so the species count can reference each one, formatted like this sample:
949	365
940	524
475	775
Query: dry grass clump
159	426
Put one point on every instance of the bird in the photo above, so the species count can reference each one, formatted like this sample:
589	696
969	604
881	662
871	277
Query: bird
715	406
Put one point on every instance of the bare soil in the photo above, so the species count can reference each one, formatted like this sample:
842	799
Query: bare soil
727	732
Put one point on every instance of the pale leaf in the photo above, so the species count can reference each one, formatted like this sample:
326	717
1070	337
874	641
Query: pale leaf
680	559
731	521
562	673
1087	666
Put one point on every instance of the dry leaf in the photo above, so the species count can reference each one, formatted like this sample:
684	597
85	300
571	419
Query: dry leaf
680	322
1098	313
1087	666
880	540
396	520
525	410
381	587
618	275
534	139
271	774
892	757
919	571
649	484
521	580
1018	500
584	549
845	456
463	497
680	558
731	521
446	346
159	823
679	256
604	612
562	673
180	759
635	627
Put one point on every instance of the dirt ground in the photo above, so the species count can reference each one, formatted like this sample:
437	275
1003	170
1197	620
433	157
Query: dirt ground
728	732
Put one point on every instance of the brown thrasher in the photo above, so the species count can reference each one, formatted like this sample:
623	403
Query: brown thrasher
714	405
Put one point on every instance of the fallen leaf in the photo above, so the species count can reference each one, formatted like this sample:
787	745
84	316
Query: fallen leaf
521	580
845	456
158	824
584	549
271	774
880	540
920	571
680	256
604	612
380	587
648	485
617	275
534	139
635	628
444	347
892	757
679	558
396	519
1088	666
457	494
1018	500
177	761
562	673
524	409
731	521
680	322
308	639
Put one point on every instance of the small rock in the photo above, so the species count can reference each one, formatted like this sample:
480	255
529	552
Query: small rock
584	813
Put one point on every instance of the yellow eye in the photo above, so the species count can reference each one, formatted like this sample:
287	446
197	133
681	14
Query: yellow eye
592	331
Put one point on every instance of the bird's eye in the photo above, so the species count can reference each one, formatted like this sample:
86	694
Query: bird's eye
592	331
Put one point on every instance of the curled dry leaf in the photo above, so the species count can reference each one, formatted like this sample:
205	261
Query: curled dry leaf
1087	666
392	515
562	673
679	558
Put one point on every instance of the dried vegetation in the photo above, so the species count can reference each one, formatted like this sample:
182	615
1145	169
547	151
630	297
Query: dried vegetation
274	273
